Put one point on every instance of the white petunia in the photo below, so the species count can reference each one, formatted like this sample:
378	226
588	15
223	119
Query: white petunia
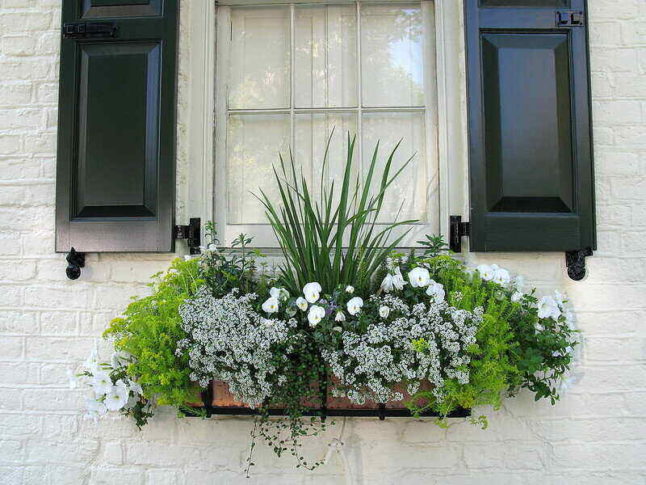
340	316
398	279
501	276
315	315
312	292
117	397
301	303
419	277
92	362
136	388
349	289
436	291
487	273
354	305
384	311
271	305
548	308
560	298
95	409
101	383
516	297
387	284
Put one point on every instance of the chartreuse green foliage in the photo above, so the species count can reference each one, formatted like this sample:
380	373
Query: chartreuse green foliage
149	331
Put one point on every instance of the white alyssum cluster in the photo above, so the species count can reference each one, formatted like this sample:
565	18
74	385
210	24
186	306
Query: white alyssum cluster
229	341
368	365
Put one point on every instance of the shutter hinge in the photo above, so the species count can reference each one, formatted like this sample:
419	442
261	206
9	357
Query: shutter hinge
191	234
75	261
84	30
570	18
457	230
575	262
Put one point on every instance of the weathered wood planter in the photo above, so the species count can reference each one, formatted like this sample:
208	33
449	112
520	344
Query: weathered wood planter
218	400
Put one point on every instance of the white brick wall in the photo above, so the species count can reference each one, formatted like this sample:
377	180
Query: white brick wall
596	435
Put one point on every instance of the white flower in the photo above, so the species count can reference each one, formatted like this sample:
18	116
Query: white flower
136	388
349	289
519	283
548	308
487	273
92	362
419	277
398	279
384	311
501	276
560	298
117	397
271	305
280	294
312	292
516	297
315	315
340	316
101	383
354	305
436	291
301	303
95	409
387	284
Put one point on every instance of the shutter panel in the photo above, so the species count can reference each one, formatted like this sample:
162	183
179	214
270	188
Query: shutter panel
531	171
116	126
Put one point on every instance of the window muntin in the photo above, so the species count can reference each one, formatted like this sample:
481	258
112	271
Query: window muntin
287	75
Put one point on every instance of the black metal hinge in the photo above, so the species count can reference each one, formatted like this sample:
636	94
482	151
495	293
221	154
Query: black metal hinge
191	234
75	261
570	18
85	30
457	230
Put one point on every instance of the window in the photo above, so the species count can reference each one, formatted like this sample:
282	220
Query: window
287	75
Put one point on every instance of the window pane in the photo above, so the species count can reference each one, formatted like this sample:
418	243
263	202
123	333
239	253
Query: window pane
407	196
254	142
312	133
325	56
259	73
391	55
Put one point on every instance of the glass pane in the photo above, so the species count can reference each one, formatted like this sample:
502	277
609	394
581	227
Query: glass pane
391	55
312	133
254	142
259	74
325	56
408	195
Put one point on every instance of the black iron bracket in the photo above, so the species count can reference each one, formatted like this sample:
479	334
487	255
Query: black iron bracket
75	261
191	234
575	262
457	230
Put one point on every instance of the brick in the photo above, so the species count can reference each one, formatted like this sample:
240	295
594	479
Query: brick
58	348
11	348
18	323
53	297
59	323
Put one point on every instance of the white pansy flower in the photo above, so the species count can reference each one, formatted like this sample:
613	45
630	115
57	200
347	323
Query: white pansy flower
101	383
270	305
354	305
340	316
312	292
301	303
315	315
436	291
516	297
419	277
384	311
487	273
349	289
501	276
548	308
280	294
95	409
117	397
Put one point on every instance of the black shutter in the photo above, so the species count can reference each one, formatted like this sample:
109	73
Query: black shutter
116	126
531	169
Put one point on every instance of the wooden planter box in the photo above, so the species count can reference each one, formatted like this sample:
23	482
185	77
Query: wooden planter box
218	400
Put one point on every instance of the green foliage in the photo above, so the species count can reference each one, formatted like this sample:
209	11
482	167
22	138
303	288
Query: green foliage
335	240
149	331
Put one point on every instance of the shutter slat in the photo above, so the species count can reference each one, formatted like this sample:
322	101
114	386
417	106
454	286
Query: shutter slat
530	156
116	133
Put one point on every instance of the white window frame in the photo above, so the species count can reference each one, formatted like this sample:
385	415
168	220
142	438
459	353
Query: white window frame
197	180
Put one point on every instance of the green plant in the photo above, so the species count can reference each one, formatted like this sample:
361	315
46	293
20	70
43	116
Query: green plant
331	241
149	331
